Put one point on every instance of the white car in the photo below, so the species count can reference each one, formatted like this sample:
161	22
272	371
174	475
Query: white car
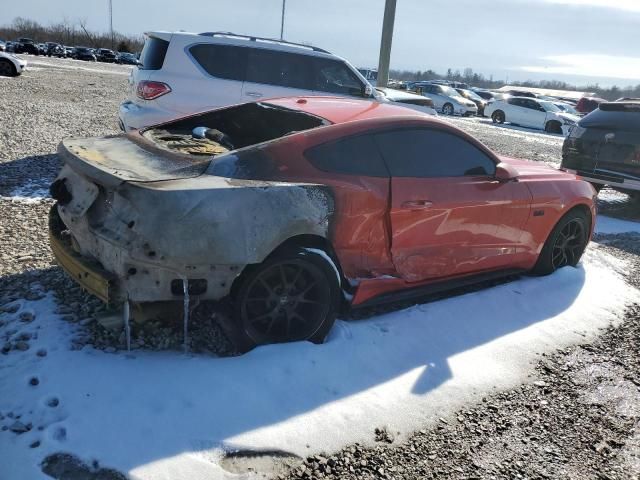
447	100
184	73
532	113
408	100
10	65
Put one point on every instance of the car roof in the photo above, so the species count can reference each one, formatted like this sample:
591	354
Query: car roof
230	38
393	94
342	110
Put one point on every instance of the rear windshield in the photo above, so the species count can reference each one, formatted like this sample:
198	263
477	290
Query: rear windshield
230	129
153	53
619	119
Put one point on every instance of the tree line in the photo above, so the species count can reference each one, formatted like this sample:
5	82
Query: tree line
71	33
479	80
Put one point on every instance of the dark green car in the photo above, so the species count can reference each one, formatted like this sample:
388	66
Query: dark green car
604	147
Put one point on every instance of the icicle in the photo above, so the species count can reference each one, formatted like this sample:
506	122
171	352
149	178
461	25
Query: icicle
127	326
185	315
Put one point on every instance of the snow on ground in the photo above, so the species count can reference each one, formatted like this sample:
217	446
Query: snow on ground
166	415
515	131
606	225
36	63
30	192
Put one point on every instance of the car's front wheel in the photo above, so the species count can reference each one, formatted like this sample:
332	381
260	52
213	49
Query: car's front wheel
447	109
553	126
566	243
498	116
291	296
7	69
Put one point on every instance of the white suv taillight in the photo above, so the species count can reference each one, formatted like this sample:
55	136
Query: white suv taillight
148	90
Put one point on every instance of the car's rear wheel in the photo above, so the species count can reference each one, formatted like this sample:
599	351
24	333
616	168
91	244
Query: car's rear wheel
553	126
7	69
498	116
447	109
566	243
291	296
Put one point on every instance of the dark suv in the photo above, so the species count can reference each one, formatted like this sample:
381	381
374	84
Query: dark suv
604	147
26	45
106	55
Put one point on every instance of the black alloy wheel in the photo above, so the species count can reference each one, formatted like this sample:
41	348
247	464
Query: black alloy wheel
569	244
566	243
447	109
288	298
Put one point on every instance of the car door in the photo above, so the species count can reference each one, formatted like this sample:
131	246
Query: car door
514	110
431	91
448	214
534	115
272	73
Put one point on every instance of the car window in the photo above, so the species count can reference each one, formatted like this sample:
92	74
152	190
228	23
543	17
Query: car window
153	53
333	76
222	61
429	153
278	68
352	156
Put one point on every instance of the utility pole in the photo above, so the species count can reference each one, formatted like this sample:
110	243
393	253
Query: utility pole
111	21
385	42
284	3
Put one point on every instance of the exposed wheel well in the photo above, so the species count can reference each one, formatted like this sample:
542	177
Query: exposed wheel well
298	241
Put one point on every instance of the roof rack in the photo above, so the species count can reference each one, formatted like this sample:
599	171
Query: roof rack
262	39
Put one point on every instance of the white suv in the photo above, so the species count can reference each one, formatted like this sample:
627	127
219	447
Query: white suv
185	73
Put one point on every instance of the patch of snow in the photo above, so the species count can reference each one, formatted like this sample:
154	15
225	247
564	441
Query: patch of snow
30	192
166	415
610	225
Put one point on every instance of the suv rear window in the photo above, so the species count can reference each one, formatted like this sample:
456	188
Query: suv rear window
153	53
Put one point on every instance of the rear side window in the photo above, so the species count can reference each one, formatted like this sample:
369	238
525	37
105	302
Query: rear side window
279	68
351	156
153	53
222	61
431	154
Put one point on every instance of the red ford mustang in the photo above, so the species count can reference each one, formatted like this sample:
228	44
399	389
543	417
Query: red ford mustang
291	206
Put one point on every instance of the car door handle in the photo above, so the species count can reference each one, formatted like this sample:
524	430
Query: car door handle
254	94
416	204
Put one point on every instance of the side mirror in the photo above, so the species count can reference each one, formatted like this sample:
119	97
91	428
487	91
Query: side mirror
505	173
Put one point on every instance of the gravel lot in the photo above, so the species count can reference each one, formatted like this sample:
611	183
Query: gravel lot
579	418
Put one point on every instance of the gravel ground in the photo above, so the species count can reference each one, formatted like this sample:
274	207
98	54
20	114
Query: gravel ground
578	418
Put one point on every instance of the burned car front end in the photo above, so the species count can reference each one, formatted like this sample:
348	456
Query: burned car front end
139	217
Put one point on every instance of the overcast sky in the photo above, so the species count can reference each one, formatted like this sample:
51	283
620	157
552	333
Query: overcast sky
579	41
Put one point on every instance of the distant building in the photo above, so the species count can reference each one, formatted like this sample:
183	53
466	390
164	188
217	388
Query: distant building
568	94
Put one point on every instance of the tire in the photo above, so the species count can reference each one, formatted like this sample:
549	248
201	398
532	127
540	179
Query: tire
498	117
293	295
566	243
553	127
447	109
7	69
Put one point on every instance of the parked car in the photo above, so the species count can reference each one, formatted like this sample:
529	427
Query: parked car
532	113
604	148
447	100
408	100
127	58
55	50
84	53
3	46
26	45
588	104
106	55
478	100
484	94
184	73
10	47
290	206
70	51
10	65
566	107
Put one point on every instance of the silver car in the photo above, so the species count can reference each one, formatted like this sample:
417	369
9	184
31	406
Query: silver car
447	100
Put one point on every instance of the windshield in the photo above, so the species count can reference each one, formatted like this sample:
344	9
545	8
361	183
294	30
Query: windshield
470	95
549	107
450	92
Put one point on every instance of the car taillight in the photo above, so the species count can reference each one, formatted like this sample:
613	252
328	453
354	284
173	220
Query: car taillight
148	90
